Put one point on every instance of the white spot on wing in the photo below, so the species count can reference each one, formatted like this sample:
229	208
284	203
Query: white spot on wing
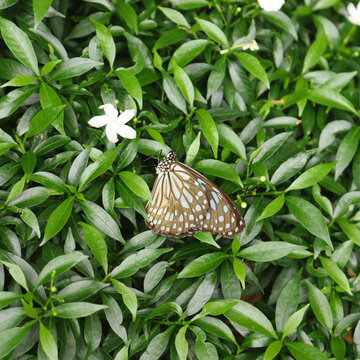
181	174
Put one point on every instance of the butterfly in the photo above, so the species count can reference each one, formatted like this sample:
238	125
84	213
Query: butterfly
185	202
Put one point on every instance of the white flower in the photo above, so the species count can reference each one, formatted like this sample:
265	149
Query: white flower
114	124
271	5
354	13
253	46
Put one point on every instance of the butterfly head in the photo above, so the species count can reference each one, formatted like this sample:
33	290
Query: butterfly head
165	164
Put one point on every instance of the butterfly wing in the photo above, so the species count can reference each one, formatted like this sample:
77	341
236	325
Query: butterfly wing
185	202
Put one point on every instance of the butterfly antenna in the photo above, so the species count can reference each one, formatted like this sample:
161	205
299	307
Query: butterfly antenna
151	156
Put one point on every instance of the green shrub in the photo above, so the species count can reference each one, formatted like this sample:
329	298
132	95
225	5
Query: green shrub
265	104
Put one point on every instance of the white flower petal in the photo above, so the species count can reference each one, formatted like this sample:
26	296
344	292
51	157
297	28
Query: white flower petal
99	121
354	14
126	116
126	131
110	110
271	5
111	133
352	9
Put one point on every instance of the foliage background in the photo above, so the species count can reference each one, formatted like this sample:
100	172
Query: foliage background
81	277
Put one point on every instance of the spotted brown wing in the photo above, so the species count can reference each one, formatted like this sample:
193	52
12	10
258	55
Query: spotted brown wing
185	202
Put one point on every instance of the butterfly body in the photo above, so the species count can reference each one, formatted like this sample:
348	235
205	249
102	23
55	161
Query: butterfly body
185	202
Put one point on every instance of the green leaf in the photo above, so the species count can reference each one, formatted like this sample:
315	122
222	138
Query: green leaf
8	297
131	85
127	12
128	296
314	53
123	354
75	310
230	140
269	147
30	197
16	273
114	316
136	184
253	66
309	217
302	351
73	67
136	261
248	316
330	130
338	347
29	218
21	80
50	180
281	20
128	197
14	99
188	51
320	306
323	201
216	327
350	230
154	275
48	67
346	151
193	149
181	344
294	321
202	295
19	44
240	271
175	16
58	219
157	345
343	204
97	244
48	343
287	301
173	92
16	190
273	207
81	289
213	31
11	338
336	274
7	3
102	164
40	7
331	98
208	128
203	264
217	308
57	266
218	168
311	176
268	251
272	350
106	41
207	238
216	76
102	220
185	85
43	119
